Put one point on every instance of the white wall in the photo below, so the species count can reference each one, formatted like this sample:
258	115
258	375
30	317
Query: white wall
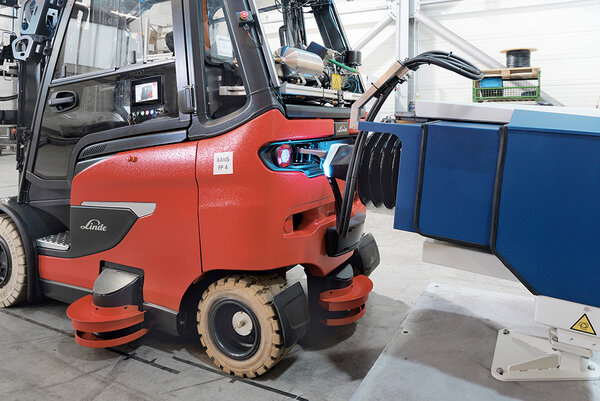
378	54
567	34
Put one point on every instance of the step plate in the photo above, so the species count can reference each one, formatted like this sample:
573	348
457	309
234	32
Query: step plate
56	242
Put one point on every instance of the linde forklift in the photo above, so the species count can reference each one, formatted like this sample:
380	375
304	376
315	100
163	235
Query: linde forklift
8	73
171	172
177	158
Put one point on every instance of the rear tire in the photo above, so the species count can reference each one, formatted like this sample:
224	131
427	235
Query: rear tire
13	266
238	324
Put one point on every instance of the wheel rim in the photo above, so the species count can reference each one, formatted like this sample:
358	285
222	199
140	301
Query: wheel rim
234	328
5	263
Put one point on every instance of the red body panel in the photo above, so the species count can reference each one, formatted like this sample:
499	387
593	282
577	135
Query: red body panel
204	221
242	215
165	244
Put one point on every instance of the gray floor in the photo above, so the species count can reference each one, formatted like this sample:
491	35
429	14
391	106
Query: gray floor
446	346
39	358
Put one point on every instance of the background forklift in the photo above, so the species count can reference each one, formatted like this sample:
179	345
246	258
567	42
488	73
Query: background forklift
8	81
171	159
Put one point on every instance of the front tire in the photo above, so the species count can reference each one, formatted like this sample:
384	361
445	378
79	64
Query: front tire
13	266
238	324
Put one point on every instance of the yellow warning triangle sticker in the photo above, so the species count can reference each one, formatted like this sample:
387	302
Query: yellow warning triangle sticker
584	325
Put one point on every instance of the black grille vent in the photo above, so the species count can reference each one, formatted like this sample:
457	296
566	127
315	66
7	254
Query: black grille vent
93	150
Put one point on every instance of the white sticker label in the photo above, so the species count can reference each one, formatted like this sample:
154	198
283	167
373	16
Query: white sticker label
224	46
223	163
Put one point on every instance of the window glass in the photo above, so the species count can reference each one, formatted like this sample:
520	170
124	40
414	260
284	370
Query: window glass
103	103
271	13
107	34
225	91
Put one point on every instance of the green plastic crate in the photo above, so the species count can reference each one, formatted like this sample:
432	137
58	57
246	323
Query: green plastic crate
512	89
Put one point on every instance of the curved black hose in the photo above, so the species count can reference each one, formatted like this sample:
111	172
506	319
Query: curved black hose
448	61
442	59
346	209
7	98
336	194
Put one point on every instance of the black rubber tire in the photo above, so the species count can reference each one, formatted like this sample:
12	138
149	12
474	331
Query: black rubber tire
14	288
256	294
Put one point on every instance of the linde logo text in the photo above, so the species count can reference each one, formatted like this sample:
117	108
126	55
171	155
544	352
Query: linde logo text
94	225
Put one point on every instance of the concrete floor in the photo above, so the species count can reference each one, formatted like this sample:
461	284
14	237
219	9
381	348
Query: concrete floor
448	343
39	358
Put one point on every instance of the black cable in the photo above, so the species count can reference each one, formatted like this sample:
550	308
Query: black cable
440	58
7	98
335	188
518	58
447	61
346	208
247	29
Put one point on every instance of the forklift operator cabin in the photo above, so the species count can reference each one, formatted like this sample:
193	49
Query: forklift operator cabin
107	36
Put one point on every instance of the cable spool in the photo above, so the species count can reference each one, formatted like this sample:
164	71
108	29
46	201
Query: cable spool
516	58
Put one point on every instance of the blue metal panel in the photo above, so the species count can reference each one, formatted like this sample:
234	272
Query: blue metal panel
536	121
411	137
549	209
457	190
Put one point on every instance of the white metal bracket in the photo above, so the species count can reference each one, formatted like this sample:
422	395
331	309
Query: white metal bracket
521	357
564	355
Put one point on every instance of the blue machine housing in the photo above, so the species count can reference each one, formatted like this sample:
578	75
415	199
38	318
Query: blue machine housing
528	191
457	176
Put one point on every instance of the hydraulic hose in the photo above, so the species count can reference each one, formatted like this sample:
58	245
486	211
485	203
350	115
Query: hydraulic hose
351	177
442	59
447	61
344	66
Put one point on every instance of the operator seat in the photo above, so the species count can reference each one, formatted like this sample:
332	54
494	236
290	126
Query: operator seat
169	42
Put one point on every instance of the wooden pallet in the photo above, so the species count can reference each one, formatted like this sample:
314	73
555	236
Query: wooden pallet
513	73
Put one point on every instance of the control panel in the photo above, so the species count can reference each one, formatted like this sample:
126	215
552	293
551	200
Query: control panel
147	99
139	116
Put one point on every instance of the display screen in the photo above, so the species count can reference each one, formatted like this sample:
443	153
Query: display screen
146	92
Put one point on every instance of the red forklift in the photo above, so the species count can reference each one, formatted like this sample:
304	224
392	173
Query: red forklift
171	157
